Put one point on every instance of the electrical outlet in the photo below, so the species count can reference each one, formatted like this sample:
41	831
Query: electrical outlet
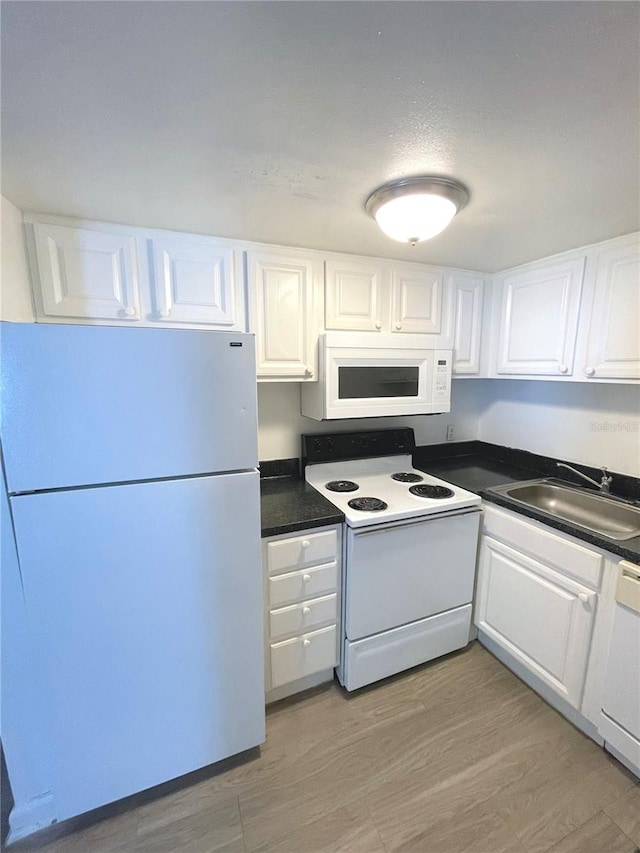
450	432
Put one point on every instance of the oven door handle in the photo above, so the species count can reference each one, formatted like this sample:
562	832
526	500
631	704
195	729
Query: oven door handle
393	525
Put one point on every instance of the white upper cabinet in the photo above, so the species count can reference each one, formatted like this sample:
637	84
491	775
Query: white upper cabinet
193	283
364	295
613	346
355	295
84	275
285	306
465	293
110	274
538	320
416	300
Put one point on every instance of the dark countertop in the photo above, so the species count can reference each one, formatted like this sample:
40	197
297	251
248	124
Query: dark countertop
289	504
479	471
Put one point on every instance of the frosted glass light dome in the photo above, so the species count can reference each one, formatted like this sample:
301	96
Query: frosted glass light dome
415	209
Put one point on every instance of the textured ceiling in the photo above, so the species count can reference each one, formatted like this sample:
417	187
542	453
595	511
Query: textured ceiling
274	121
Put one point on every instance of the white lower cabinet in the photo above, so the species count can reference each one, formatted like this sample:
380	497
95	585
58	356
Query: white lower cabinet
542	617
302	609
536	603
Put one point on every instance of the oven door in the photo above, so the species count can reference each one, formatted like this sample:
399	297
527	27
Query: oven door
405	571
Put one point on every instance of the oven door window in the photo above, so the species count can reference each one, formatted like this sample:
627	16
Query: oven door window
357	383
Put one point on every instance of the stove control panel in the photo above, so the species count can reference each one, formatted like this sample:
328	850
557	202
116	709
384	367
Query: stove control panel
332	447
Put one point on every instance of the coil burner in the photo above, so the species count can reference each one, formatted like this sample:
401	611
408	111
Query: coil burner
433	492
342	486
407	477
367	504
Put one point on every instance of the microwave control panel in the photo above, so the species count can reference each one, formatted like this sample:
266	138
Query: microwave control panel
442	374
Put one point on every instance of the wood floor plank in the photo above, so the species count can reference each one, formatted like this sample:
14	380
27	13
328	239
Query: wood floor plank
349	829
625	811
597	835
472	832
190	821
562	794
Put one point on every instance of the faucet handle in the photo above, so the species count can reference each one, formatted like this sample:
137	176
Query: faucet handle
607	479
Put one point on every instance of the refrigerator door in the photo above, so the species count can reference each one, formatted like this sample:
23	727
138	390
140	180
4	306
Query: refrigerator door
99	404
145	604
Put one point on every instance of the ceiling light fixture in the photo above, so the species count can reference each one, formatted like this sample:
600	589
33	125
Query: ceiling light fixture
415	209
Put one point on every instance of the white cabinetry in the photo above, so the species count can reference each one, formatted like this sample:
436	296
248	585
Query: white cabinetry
465	294
619	722
302	597
381	296
193	283
538	319
416	300
536	601
355	295
285	309
104	274
85	275
613	345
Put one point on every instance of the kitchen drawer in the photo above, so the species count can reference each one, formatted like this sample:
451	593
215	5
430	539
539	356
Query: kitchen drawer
308	550
302	656
307	583
305	616
527	537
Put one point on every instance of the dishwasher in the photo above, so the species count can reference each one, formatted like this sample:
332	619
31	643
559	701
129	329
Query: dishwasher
620	718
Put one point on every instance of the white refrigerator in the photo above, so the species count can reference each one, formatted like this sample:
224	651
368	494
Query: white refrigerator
130	459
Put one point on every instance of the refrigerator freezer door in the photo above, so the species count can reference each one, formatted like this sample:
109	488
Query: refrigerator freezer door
145	604
98	404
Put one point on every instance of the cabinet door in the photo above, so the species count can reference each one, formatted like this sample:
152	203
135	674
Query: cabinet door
539	320
540	617
354	296
466	297
193	283
416	300
285	312
613	350
85	274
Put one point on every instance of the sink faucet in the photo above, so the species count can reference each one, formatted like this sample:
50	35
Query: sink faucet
604	483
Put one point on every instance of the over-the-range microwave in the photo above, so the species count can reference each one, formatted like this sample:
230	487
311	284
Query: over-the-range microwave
366	375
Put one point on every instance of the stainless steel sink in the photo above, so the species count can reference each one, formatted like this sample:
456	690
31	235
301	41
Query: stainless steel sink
601	514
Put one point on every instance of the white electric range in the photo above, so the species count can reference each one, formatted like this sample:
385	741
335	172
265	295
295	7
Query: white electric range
409	557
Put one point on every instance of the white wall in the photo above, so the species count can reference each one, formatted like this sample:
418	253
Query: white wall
592	424
15	292
280	422
589	424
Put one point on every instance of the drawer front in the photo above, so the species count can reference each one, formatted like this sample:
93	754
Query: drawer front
308	550
303	617
302	656
307	583
571	558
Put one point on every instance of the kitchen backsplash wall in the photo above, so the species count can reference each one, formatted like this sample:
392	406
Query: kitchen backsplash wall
590	424
280	422
593	424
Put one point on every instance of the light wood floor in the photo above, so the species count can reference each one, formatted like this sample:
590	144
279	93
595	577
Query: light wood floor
455	757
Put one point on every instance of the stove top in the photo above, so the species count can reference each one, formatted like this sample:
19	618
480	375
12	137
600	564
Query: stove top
387	488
